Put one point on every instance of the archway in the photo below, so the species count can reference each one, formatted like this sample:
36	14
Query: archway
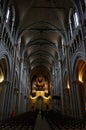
82	78
4	89
80	87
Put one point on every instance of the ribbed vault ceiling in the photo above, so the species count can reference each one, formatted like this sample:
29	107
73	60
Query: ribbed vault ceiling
40	25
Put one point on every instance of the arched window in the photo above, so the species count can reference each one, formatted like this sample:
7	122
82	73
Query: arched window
8	15
71	22
76	19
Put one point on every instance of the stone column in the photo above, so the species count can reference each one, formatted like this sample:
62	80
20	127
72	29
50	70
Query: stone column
3	97
13	77
77	99
84	94
54	80
12	27
6	101
72	107
20	78
69	77
62	101
71	31
16	93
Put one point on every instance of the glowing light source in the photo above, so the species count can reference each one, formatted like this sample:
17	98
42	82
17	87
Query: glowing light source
1	75
76	19
7	15
68	85
40	93
80	77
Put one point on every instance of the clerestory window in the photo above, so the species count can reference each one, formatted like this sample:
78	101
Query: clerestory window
7	15
76	19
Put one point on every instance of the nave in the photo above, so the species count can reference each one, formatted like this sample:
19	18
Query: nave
39	120
43	64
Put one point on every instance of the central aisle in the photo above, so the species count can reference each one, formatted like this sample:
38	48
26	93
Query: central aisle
41	123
